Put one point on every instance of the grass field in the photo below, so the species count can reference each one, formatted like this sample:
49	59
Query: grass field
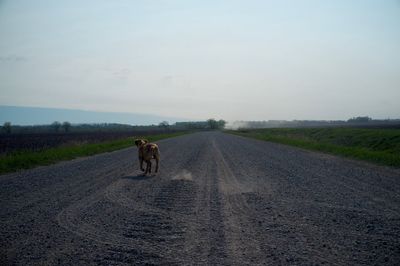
380	146
28	159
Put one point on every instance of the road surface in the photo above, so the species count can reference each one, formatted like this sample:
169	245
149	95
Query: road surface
218	200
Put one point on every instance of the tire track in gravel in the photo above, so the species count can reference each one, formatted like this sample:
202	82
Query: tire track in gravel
218	200
242	241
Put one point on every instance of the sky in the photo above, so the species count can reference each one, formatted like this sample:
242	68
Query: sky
225	59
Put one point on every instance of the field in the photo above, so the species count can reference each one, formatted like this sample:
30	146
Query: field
371	144
10	143
219	199
24	151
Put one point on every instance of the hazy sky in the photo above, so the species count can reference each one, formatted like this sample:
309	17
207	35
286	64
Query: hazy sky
236	60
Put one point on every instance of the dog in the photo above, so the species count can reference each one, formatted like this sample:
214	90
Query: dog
147	151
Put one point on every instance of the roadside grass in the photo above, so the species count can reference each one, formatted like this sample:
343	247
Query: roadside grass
380	146
28	159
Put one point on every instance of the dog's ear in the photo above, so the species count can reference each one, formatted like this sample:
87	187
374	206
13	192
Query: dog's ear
145	141
137	141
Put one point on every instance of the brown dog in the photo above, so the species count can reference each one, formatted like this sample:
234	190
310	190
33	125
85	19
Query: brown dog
147	151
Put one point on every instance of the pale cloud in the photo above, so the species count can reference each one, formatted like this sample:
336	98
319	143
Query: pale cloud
12	58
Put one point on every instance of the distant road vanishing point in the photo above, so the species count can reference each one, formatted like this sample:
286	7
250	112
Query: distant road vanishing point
219	199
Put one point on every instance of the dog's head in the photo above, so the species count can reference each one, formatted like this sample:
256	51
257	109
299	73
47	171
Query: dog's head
140	142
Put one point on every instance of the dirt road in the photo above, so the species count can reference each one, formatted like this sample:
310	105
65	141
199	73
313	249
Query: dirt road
219	200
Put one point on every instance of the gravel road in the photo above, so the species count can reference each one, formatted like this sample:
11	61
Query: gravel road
218	200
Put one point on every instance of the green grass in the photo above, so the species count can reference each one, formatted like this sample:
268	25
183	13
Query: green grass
28	159
380	146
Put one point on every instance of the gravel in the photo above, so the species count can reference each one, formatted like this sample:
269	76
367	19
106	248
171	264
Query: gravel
219	200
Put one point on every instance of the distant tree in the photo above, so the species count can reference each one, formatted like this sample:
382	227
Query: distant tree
7	127
56	126
164	125
221	124
359	119
212	123
66	126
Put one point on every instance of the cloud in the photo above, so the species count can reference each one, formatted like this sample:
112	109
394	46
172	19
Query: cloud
167	80
12	58
122	73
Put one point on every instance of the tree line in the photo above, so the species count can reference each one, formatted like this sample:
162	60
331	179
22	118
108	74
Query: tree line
66	127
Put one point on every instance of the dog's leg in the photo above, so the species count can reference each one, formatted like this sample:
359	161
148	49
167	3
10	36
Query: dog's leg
157	162
150	166
147	168
141	163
